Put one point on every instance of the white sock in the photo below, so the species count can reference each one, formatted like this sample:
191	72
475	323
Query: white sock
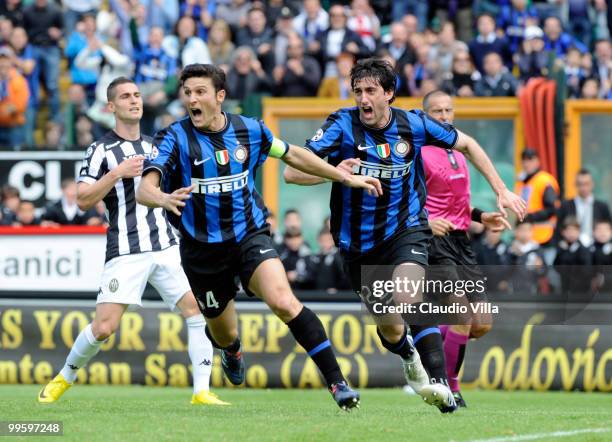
85	347
200	352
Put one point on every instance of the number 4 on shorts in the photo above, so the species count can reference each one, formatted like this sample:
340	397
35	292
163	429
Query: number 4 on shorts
211	302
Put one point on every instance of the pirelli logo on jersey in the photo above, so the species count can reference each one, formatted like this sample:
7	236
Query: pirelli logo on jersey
382	170
211	186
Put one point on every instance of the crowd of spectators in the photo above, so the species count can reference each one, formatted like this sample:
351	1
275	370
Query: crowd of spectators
18	213
279	47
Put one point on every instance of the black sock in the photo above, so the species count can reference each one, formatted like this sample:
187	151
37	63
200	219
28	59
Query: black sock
232	348
460	358
403	348
310	334
428	342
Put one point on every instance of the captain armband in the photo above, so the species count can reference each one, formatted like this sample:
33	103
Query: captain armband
279	148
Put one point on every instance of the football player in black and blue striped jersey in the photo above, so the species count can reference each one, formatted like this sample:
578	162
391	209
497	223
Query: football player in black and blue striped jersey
377	140
204	176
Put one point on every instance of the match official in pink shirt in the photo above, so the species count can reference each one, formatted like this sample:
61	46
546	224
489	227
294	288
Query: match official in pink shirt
450	213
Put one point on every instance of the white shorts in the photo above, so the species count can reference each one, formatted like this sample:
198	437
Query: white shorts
125	277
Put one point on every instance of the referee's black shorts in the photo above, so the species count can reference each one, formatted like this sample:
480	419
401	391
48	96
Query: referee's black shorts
213	269
454	260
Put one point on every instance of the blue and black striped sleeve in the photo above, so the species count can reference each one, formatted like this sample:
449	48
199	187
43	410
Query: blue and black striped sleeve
328	139
267	138
436	133
166	144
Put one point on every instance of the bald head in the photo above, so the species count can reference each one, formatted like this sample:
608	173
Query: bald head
433	94
439	106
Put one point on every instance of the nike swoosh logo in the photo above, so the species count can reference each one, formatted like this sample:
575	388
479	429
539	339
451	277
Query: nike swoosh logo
197	163
360	147
415	252
265	251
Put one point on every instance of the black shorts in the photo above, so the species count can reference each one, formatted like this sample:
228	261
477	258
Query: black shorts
454	260
405	247
213	269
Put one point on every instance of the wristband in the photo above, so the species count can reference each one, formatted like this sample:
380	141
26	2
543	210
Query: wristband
477	215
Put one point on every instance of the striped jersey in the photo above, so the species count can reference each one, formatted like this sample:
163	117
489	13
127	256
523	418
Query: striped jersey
392	154
224	205
133	228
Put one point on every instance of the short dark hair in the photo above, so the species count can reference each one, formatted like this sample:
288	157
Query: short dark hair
256	9
198	70
292	232
67	182
587	79
584	171
291	211
529	153
380	71
489	15
554	17
432	94
570	221
9	191
110	90
488	54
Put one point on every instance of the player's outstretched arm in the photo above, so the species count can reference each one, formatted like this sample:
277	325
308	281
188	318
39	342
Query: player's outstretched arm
505	198
294	176
88	195
149	194
307	162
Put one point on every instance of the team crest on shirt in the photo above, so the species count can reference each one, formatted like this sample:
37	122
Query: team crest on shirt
383	150
402	148
222	157
240	154
89	150
318	135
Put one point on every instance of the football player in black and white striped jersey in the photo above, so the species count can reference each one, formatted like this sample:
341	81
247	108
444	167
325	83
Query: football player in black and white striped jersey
141	247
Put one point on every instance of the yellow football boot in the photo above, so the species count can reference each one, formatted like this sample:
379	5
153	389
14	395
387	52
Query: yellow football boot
53	390
207	398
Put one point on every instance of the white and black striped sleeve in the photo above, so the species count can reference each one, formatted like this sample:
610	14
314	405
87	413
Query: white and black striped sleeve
94	165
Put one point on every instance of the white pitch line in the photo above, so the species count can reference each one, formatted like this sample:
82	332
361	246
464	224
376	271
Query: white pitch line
536	436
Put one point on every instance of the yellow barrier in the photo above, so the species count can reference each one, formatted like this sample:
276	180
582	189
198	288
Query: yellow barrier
574	110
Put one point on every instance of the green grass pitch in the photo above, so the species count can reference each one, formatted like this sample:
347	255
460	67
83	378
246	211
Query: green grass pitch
117	413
